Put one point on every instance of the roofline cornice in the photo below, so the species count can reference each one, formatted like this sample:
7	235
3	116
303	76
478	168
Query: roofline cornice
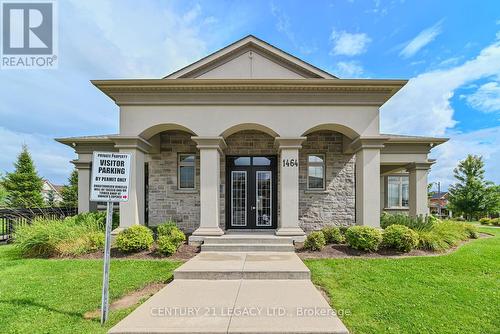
178	91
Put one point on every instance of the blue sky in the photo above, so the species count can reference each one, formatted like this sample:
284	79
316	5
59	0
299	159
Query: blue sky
450	51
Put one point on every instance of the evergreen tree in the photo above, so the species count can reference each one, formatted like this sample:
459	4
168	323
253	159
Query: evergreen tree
69	192
471	195
23	186
51	198
3	193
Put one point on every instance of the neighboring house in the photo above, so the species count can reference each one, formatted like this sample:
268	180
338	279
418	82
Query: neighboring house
49	187
438	204
251	137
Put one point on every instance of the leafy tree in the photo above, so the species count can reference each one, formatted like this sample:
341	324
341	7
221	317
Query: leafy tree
69	192
471	195
23	186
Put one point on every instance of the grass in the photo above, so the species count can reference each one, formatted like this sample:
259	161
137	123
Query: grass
51	296
455	293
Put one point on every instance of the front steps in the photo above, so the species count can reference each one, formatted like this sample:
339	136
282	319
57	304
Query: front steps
248	243
241	265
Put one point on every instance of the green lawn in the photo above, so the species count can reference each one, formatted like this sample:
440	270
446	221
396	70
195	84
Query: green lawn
455	293
51	296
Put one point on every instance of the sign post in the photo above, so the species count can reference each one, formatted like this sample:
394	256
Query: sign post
110	184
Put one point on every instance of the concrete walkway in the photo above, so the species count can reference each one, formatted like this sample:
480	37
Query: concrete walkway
242	292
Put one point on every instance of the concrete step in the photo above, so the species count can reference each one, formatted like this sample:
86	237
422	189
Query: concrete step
239	239
247	247
235	266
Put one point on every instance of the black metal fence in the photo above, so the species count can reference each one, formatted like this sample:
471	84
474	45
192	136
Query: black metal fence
10	219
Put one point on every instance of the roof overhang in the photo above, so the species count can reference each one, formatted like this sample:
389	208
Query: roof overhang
250	91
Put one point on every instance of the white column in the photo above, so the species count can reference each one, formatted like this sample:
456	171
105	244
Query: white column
84	170
289	186
418	188
132	212
210	151
368	199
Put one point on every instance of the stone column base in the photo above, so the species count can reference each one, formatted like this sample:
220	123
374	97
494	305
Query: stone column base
208	231
290	231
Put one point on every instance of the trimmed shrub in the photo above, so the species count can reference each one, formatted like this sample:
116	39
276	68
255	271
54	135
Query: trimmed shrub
343	230
332	235
315	241
46	238
364	238
485	221
166	245
400	237
421	223
495	222
170	230
166	228
134	239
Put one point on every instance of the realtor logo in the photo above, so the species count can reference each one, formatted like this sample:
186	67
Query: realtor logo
28	34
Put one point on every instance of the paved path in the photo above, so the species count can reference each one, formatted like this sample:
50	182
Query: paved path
242	292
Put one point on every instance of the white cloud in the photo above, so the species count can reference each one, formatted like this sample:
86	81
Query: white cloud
348	69
484	142
486	98
423	105
349	44
421	40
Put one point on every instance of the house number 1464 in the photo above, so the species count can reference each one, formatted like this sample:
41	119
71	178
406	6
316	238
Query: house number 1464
290	163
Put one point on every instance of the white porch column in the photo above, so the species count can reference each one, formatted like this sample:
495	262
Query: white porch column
418	188
368	199
132	212
84	171
210	151
289	186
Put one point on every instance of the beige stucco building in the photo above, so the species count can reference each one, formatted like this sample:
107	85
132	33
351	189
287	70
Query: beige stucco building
251	137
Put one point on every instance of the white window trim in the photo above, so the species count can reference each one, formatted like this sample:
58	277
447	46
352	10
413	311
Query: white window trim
400	200
323	164
179	165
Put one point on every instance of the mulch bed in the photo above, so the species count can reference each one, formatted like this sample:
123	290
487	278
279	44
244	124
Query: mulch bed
184	253
344	251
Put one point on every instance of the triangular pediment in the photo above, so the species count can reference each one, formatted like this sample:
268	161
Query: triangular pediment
250	58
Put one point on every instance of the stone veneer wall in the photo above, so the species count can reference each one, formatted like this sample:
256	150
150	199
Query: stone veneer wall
165	200
247	142
335	205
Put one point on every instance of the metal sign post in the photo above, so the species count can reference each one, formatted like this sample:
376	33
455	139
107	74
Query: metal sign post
110	184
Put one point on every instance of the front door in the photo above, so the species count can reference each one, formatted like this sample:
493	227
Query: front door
251	197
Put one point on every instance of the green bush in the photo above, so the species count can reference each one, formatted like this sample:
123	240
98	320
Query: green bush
485	221
400	237
421	223
364	238
315	241
93	220
45	238
170	230
134	239
343	230
166	245
166	228
495	222
446	234
332	235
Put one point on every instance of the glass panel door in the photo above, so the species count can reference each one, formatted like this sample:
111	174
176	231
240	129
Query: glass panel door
263	198
238	198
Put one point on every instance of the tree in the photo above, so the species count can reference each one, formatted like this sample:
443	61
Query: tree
23	186
3	193
51	198
69	192
471	195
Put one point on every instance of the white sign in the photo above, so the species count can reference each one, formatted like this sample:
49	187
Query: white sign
110	177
